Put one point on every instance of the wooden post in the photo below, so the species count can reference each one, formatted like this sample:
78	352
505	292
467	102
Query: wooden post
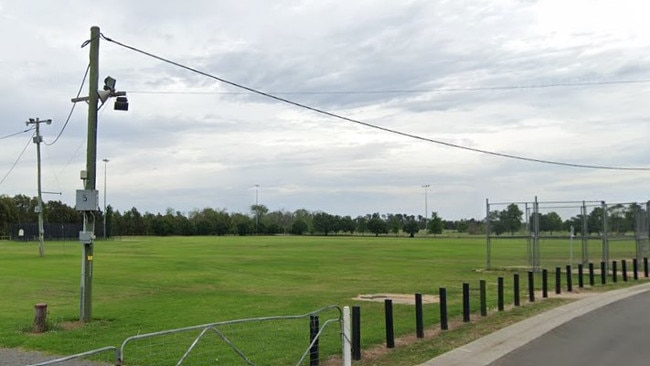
40	318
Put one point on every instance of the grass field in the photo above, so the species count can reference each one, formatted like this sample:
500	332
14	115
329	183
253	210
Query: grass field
149	284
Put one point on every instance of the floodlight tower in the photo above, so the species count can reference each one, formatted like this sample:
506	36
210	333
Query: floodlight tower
105	191
426	203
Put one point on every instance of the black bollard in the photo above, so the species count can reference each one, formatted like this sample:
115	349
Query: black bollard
581	282
635	268
544	283
603	273
314	326
558	280
531	286
645	266
483	296
614	272
444	325
419	322
624	269
466	302
500	293
591	274
516	288
569	278
390	332
356	332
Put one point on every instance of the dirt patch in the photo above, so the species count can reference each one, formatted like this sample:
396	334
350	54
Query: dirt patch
406	299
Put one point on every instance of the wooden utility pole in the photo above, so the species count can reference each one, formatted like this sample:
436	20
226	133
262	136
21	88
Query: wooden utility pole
85	307
39	208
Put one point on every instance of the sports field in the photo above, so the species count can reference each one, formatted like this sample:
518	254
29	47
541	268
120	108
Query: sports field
147	284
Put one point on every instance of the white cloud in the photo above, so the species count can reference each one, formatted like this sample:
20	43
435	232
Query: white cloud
190	151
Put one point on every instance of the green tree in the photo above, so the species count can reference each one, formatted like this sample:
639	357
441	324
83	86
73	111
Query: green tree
324	223
435	224
377	225
411	226
299	227
512	218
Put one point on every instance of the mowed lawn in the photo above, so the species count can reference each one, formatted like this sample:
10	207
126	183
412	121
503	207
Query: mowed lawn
147	284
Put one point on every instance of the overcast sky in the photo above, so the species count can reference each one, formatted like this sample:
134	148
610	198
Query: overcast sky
189	142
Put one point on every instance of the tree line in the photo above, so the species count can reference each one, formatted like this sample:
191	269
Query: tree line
621	219
20	209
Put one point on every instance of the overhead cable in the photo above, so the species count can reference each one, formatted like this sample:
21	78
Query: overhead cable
366	124
17	159
83	81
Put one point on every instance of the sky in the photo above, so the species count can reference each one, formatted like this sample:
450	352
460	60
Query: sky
548	80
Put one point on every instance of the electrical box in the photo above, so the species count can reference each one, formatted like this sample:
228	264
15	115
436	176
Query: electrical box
87	200
86	237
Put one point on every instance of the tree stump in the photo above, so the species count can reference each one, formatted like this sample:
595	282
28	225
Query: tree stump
40	318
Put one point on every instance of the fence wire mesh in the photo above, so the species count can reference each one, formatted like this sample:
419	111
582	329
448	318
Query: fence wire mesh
282	340
555	234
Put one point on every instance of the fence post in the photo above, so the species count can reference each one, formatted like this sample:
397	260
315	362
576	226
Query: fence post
390	333
635	268
465	302
356	333
591	274
531	286
419	322
314	325
346	337
483	296
569	278
444	325
581	282
500	293
558	280
544	283
603	273
516	288
614	272
624	269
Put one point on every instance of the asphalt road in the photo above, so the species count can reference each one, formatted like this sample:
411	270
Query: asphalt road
617	333
610	328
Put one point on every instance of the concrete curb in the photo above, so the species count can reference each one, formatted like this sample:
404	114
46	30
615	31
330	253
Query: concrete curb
490	348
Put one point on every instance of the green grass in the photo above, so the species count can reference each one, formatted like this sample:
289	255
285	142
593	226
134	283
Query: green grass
147	284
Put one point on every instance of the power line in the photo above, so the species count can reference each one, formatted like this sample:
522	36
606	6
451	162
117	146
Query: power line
16	162
17	133
71	109
366	124
413	91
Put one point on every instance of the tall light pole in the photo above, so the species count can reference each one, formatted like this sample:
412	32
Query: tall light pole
257	209
105	190
426	203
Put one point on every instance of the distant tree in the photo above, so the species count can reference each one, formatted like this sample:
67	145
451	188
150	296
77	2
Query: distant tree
595	220
411	226
377	225
362	224
299	227
324	223
553	222
512	218
497	224
347	224
435	224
